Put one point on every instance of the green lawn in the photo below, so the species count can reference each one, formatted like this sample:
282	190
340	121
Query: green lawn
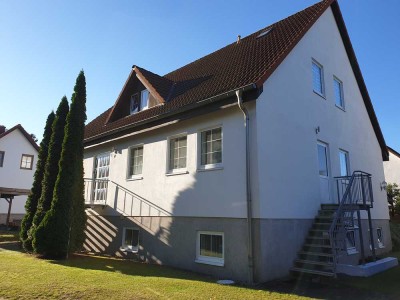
23	276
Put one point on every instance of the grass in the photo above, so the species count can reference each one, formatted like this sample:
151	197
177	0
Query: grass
8	236
23	276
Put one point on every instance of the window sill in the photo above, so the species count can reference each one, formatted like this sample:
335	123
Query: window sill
134	178
128	250
319	94
177	172
341	108
209	168
210	262
352	251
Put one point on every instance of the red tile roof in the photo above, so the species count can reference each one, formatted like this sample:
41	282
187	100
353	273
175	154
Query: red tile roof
250	61
24	132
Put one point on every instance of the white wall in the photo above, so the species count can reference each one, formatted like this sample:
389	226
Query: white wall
11	175
219	193
392	169
291	111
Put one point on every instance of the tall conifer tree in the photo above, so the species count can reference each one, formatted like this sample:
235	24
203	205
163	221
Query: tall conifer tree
36	191
51	168
62	228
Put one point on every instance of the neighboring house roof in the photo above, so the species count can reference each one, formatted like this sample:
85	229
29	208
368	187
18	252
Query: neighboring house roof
391	150
23	131
244	64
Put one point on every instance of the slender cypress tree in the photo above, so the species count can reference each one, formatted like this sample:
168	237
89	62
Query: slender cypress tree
54	233
36	191
51	168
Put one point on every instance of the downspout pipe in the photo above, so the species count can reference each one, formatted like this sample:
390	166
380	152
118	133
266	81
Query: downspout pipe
248	190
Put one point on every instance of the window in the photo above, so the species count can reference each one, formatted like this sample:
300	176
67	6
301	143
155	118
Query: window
210	248
2	153
318	78
139	101
211	147
26	162
130	240
338	90
344	163
135	161
177	153
323	160
351	241
379	234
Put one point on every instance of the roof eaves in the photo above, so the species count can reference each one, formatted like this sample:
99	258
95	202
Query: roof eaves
24	132
360	79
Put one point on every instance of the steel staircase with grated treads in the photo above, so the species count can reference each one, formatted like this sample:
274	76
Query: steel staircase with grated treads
316	256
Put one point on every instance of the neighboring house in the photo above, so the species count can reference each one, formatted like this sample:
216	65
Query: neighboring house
392	167
18	157
167	175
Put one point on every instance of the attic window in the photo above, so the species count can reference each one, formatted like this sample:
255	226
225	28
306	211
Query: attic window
139	101
265	32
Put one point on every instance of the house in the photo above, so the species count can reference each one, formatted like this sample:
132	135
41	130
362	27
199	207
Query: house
228	166
392	167
18	157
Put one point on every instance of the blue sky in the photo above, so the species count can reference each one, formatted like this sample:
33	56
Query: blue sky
44	45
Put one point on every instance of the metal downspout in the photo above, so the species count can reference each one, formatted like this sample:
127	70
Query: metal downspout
248	189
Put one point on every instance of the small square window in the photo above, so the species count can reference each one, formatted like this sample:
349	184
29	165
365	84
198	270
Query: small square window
211	147
135	161
2	153
338	90
318	78
130	240
210	248
177	153
26	162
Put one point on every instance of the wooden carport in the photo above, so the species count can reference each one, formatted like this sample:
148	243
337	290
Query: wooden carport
8	194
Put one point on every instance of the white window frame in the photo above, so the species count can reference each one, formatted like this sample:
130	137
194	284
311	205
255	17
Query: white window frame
143	107
342	107
327	159
209	260
381	244
134	176
347	155
217	166
322	93
130	248
170	170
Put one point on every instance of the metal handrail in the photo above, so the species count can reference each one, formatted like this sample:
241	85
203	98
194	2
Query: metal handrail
348	204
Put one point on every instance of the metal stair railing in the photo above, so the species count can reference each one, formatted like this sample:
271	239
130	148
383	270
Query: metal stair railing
354	192
98	191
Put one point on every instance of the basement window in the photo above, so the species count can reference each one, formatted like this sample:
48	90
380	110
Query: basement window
351	241
210	248
130	240
379	234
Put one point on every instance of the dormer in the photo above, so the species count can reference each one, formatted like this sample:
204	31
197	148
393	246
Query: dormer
142	90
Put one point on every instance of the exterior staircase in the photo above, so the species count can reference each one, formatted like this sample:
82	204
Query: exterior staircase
327	241
316	256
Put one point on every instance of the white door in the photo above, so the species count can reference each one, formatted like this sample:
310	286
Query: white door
101	172
323	169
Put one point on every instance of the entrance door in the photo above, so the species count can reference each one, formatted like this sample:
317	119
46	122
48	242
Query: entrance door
324	176
101	172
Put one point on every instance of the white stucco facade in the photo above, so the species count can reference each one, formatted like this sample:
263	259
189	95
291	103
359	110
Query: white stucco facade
392	168
14	146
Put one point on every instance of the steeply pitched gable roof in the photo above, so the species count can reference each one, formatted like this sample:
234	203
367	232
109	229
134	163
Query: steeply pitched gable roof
23	131
247	63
